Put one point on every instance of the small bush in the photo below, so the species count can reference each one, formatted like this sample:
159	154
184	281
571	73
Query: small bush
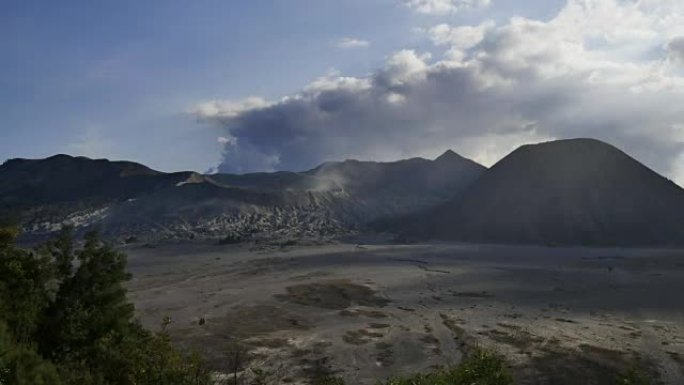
635	376
481	367
230	239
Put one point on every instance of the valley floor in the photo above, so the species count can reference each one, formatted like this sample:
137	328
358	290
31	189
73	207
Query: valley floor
367	312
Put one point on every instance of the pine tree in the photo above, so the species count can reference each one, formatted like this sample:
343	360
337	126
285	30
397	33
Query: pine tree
24	287
65	319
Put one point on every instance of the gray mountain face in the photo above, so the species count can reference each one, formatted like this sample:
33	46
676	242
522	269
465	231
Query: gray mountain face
127	200
574	192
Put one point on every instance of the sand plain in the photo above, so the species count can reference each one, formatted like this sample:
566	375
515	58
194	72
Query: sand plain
367	312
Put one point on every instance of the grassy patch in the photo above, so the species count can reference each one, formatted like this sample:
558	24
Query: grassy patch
270	343
247	321
335	294
429	339
591	365
453	325
384	353
362	313
378	326
360	337
678	358
320	372
314	274
516	337
471	294
479	368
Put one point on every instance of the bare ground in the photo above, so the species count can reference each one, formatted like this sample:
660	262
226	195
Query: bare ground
560	315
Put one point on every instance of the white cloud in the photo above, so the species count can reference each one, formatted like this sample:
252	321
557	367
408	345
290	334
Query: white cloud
599	68
461	37
225	141
606	41
404	67
393	98
350	43
227	109
334	81
442	7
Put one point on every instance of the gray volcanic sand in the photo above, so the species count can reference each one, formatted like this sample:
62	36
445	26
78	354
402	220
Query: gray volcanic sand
560	315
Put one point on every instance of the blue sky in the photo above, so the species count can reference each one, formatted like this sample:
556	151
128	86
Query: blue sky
124	79
113	79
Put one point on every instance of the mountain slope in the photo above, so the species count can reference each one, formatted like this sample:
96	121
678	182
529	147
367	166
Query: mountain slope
579	191
130	200
62	178
370	190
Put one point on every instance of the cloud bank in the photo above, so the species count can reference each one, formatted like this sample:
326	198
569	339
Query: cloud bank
442	7
608	69
350	43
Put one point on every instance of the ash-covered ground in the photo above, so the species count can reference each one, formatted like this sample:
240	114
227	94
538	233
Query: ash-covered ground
368	312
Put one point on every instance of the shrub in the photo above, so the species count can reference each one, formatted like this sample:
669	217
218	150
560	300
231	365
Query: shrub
481	367
21	365
635	376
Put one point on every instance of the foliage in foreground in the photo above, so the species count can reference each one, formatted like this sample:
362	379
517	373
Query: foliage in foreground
483	367
65	319
479	368
635	376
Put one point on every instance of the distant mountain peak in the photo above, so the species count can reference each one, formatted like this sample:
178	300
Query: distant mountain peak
60	156
574	191
23	161
335	197
571	144
448	155
450	159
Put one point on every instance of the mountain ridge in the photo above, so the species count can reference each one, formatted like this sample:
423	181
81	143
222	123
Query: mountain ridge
127	198
568	192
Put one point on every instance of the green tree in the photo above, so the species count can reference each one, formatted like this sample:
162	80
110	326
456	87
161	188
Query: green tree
90	311
21	365
61	249
65	319
89	329
24	287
